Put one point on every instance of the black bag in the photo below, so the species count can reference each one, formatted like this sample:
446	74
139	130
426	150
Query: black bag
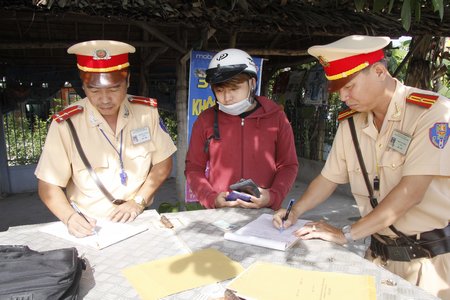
31	275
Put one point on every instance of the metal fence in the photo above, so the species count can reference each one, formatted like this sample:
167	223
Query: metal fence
26	127
24	135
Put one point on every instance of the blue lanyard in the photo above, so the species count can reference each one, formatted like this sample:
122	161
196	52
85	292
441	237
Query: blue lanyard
123	174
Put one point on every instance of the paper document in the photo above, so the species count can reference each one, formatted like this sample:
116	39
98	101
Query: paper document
108	233
167	276
261	232
292	283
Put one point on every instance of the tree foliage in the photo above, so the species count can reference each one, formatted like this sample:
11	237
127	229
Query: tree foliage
409	9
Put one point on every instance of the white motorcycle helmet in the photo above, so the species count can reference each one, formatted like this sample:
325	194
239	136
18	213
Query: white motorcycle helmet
228	63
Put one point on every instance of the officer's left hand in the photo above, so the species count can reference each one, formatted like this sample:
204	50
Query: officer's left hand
260	202
125	212
321	230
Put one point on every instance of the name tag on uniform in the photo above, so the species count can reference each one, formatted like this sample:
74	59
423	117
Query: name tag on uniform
400	141
140	135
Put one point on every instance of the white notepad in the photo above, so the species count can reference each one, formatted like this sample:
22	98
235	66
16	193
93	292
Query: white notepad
261	232
108	233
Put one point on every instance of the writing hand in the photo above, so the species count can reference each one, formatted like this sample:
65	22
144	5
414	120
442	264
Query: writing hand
80	226
280	221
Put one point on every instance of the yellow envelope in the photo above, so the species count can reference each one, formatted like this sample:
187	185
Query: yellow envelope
163	277
292	283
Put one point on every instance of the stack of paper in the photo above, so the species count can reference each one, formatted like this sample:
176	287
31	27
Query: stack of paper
261	232
108	233
291	283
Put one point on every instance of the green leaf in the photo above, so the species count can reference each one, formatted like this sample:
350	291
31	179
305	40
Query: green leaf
193	206
391	5
438	5
167	207
406	14
359	4
417	10
378	5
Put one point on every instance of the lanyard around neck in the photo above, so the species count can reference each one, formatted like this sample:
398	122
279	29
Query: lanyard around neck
123	174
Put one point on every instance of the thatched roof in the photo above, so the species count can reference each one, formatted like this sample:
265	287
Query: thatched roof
35	34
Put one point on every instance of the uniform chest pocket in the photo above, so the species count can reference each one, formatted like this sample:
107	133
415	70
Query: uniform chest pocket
140	151
98	162
392	161
139	159
82	176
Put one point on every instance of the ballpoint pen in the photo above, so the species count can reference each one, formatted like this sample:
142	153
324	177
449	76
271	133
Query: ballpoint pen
84	217
286	216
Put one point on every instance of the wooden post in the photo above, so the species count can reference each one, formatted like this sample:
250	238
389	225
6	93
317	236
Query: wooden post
182	146
4	176
321	135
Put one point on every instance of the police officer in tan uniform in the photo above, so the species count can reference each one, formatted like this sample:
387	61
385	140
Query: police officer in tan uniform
402	133
126	146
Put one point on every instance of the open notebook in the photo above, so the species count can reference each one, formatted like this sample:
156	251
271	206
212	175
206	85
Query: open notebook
261	232
108	233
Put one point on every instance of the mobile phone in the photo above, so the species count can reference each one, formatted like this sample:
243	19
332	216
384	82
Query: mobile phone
247	186
233	196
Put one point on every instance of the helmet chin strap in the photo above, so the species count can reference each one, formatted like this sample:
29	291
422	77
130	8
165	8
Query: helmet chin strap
251	94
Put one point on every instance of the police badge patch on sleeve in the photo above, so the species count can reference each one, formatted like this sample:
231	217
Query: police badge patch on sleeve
439	134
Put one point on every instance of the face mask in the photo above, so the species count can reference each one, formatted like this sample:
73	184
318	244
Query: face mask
237	108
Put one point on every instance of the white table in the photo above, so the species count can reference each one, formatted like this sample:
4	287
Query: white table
103	278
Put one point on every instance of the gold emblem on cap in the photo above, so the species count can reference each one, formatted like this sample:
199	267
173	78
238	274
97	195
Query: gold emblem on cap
323	61
100	54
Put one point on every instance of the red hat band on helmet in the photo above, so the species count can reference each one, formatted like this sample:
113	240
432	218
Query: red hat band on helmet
347	66
102	62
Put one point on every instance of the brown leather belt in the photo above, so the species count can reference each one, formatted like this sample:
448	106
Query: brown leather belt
430	244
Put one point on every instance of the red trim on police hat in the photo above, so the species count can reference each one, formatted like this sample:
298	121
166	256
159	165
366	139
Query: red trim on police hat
347	66
112	63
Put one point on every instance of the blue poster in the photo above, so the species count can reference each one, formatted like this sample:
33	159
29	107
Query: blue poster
200	96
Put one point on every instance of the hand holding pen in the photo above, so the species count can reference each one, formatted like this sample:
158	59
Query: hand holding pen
286	216
78	211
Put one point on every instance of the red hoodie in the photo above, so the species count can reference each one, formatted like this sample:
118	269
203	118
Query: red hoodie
259	147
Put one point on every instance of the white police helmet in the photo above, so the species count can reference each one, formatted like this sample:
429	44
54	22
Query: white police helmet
228	63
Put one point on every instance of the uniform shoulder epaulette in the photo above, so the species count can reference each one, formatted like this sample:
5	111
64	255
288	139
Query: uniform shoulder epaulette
424	100
346	114
67	113
143	100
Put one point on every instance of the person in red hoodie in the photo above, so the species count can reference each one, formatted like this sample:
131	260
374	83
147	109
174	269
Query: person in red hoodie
243	136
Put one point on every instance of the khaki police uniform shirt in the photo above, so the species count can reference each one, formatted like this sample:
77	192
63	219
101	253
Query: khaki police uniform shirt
145	143
421	158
